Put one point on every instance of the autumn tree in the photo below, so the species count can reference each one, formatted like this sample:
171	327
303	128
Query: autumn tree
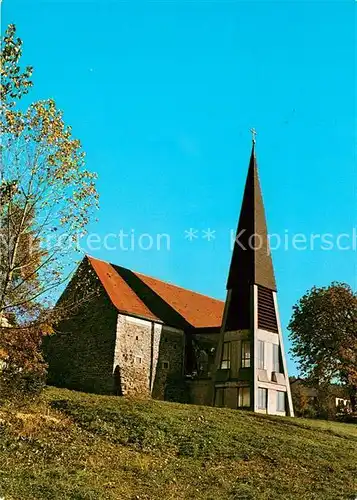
301	402
47	198
323	332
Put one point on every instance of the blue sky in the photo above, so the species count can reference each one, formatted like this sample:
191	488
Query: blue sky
162	96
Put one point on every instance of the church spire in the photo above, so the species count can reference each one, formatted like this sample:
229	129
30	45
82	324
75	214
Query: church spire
250	367
251	260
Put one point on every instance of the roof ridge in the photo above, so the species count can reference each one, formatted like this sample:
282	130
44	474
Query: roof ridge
158	279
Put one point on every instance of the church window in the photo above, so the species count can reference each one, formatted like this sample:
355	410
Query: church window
280	401
243	397
245	354
276	361
165	365
226	356
262	398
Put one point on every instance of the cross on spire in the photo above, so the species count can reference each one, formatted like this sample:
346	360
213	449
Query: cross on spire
254	133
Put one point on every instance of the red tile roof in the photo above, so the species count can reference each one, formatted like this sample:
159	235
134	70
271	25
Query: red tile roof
198	310
119	292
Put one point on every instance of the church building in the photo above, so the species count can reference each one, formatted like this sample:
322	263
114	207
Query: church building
135	335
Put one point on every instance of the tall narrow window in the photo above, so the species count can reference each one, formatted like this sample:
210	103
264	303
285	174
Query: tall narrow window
243	397
245	354
226	356
280	401
276	361
261	355
262	398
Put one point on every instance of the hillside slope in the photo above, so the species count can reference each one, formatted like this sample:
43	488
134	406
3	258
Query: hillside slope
86	447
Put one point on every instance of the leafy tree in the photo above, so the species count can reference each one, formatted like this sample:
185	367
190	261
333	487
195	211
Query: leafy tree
47	198
324	336
14	82
301	402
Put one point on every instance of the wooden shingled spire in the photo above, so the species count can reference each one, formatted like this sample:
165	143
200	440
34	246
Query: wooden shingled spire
251	262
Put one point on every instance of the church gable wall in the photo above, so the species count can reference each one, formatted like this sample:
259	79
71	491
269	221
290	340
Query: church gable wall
80	353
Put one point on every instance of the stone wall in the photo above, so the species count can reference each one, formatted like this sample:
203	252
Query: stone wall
149	358
80	355
136	354
169	383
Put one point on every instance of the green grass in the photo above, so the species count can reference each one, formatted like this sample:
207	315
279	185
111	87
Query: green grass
83	447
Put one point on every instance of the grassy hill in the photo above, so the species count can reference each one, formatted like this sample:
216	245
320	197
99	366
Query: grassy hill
87	447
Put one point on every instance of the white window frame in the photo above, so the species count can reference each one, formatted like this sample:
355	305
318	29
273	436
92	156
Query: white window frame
276	358
261	354
262	405
280	398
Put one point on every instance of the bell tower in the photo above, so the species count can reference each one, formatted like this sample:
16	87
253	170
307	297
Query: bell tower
250	368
